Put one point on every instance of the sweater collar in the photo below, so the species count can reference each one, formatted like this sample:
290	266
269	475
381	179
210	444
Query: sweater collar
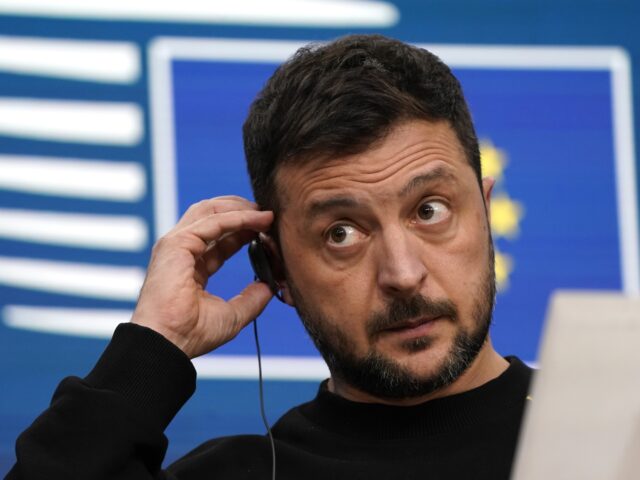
446	414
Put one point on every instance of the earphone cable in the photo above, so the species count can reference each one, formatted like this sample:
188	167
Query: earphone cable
262	413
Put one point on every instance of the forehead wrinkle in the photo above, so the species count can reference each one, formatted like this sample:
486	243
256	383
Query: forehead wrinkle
371	174
438	174
371	166
323	205
318	207
404	157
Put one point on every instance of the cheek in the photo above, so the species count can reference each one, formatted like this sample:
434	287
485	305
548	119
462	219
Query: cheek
460	267
335	292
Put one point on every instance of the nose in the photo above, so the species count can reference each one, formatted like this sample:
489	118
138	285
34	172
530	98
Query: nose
401	265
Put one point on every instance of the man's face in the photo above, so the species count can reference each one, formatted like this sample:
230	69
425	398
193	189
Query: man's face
389	260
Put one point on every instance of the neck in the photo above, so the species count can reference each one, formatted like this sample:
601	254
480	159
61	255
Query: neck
487	365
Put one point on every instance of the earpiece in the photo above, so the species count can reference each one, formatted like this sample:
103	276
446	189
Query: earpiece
261	258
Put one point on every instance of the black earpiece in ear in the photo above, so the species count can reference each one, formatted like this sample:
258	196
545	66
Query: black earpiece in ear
260	259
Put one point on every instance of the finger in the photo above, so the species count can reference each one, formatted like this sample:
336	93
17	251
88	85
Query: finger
213	258
250	303
197	236
210	206
216	227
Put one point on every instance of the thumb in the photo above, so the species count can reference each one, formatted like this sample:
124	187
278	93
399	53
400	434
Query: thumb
250	303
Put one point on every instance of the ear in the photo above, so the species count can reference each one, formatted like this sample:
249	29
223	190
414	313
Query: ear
487	188
277	269
286	293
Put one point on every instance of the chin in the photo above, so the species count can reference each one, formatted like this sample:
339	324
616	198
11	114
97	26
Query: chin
422	362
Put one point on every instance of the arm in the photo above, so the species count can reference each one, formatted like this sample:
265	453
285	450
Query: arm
110	424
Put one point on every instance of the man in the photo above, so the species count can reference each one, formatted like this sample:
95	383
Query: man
366	171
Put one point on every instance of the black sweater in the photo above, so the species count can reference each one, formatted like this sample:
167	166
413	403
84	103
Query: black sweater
110	424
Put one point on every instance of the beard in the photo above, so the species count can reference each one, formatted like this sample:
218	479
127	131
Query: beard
381	375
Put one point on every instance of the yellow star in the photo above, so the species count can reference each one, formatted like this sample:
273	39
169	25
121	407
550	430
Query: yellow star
503	267
493	160
505	216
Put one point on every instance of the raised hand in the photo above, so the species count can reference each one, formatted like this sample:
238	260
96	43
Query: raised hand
173	300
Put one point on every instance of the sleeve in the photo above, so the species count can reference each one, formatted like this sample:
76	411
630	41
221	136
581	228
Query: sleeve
110	424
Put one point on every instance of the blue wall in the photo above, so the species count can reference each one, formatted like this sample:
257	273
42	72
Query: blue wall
33	363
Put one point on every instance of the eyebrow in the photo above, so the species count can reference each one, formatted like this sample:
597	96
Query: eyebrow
322	206
436	175
319	207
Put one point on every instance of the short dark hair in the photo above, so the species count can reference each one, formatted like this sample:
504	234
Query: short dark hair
340	98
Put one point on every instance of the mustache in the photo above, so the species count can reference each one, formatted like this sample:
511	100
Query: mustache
401	310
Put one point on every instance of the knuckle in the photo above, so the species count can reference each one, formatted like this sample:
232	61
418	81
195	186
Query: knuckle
159	245
236	324
235	198
170	242
189	242
202	204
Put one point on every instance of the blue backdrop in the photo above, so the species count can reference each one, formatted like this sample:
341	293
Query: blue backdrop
548	134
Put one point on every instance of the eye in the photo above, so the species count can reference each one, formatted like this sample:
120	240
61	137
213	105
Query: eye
342	235
432	211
